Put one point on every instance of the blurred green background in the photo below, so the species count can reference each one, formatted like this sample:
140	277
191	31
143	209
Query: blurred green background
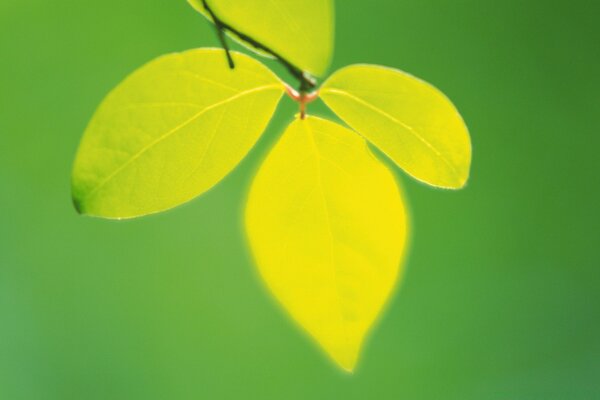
501	299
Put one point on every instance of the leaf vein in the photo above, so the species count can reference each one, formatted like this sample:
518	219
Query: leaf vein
398	122
175	130
333	261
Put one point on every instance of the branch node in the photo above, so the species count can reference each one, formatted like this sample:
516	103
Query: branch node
302	98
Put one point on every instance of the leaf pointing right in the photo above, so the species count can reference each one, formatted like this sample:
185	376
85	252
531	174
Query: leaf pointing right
409	120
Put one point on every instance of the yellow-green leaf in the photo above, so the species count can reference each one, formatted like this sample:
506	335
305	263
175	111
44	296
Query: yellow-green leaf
170	131
409	120
327	227
300	31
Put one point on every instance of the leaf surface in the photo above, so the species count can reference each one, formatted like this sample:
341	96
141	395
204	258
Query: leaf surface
171	131
409	120
327	227
301	31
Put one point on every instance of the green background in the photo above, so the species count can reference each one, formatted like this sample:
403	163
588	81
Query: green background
501	298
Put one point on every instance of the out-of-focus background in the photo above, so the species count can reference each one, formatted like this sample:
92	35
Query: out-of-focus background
501	299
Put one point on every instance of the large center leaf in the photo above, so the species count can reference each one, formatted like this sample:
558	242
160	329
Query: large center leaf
327	226
406	118
300	31
171	131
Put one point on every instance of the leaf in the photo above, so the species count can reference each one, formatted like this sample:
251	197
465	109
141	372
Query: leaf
171	131
300	31
408	119
327	227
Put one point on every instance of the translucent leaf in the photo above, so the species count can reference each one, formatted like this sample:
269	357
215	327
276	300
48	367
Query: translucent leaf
301	31
170	131
406	118
327	227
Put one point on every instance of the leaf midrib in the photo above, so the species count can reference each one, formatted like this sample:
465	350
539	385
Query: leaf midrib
310	131
167	134
407	127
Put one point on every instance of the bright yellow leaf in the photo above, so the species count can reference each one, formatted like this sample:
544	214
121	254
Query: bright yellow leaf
300	31
408	119
327	226
171	131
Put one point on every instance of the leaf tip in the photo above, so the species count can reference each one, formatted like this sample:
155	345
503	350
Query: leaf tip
459	183
77	204
77	199
345	358
348	367
461	180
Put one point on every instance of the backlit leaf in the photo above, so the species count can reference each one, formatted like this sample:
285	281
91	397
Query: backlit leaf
327	227
170	131
406	118
300	31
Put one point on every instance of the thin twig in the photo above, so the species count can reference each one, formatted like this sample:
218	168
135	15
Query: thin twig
221	34
307	82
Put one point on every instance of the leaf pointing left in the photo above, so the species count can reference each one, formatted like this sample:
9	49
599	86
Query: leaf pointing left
171	131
